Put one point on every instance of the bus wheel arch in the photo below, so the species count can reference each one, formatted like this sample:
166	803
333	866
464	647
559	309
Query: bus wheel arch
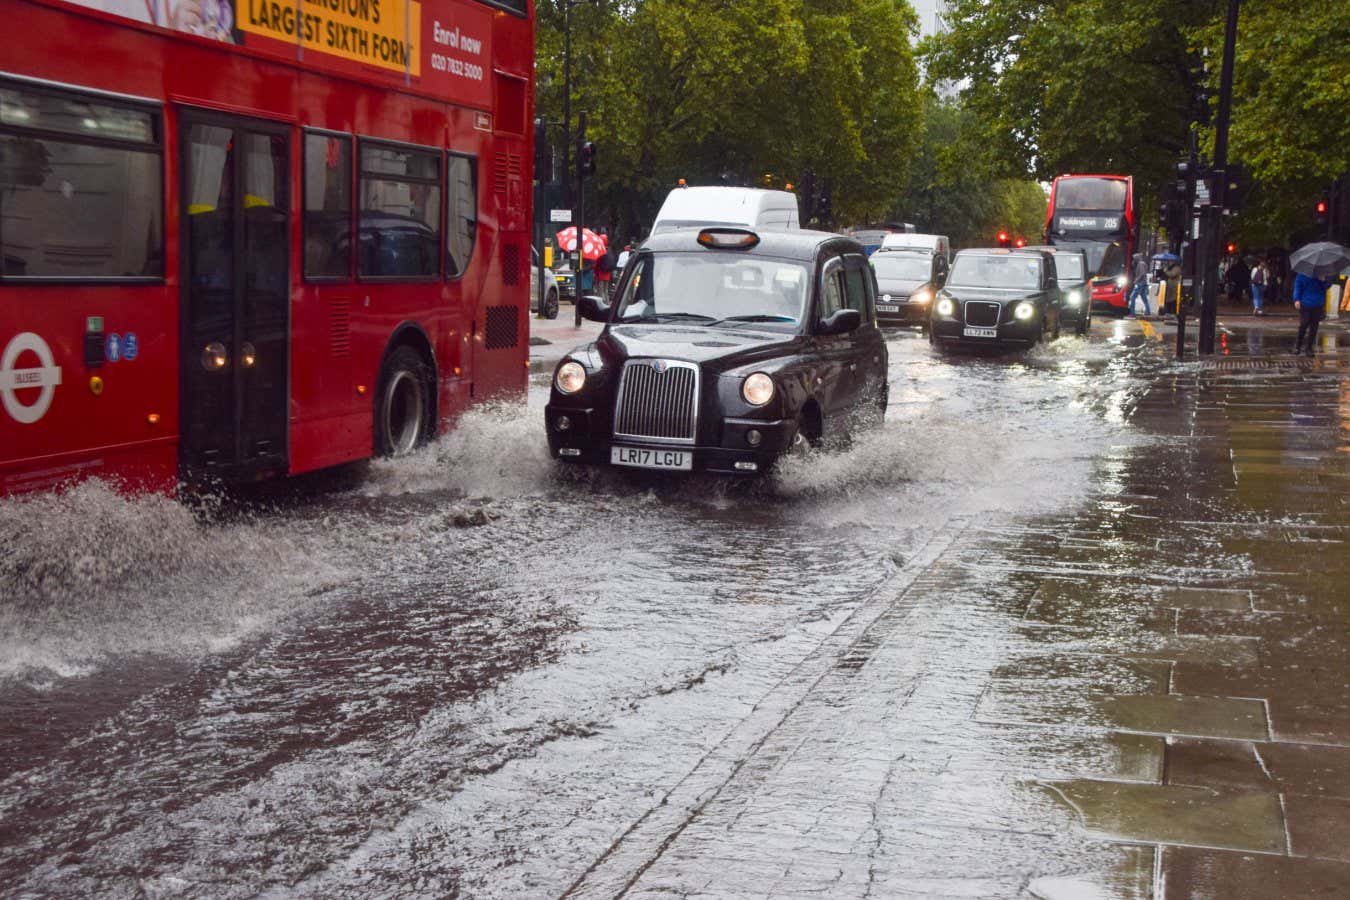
406	405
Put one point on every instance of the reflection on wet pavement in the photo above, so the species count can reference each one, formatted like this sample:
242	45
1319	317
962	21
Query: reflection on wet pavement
1073	624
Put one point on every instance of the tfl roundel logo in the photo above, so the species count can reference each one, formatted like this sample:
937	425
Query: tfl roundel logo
17	385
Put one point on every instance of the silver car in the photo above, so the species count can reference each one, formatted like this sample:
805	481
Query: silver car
550	288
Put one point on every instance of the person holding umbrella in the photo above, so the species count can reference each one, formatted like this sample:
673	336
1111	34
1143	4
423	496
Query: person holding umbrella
1314	266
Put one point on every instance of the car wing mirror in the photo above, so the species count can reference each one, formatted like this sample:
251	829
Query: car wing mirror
841	321
593	308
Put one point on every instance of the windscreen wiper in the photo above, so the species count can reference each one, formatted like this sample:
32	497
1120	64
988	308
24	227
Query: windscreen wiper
757	317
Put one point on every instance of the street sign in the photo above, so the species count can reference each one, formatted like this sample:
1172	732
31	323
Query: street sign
560	215
1201	192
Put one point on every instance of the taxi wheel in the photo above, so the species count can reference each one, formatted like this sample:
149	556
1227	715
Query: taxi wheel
551	305
1083	324
1054	335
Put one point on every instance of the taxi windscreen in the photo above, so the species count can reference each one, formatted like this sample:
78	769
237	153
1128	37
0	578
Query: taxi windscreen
714	287
1022	272
1069	267
902	266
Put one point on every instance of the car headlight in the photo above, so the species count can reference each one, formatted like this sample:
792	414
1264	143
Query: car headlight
570	378
921	296
945	307
1075	298
1025	310
757	389
1121	281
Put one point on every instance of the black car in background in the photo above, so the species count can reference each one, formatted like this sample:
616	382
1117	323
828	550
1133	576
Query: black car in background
724	349
1075	288
907	281
997	297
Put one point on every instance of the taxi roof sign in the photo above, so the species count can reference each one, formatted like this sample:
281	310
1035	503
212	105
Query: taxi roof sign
728	238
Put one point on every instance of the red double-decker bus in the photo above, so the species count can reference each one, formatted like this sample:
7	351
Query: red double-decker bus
1097	213
245	238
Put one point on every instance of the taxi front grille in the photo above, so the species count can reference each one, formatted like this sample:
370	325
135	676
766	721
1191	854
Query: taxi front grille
658	401
982	313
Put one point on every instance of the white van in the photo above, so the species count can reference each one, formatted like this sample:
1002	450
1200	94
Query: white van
700	207
937	243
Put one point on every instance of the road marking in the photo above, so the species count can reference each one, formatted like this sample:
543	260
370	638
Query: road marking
638	848
1149	330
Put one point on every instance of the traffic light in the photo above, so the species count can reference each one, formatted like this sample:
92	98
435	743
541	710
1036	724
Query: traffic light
1004	239
1320	211
586	159
1020	242
543	153
1230	248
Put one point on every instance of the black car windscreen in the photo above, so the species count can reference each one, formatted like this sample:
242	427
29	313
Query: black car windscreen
714	285
987	270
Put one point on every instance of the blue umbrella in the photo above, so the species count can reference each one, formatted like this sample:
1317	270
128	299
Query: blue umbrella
1166	257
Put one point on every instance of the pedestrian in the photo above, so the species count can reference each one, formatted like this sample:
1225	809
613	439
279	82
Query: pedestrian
604	272
623	257
1140	289
1310	296
1260	277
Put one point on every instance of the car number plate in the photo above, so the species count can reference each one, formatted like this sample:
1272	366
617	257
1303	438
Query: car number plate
887	307
972	331
643	458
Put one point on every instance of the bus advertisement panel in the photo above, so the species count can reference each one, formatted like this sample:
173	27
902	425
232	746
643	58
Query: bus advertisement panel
1097	214
250	239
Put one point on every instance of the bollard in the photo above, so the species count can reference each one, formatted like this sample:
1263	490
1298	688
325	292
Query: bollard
1334	301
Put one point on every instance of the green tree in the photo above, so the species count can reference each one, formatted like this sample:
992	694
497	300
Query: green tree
701	90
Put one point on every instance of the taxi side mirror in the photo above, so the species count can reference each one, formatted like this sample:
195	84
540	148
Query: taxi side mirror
841	321
593	308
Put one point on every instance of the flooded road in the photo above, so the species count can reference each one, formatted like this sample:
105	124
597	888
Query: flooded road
474	672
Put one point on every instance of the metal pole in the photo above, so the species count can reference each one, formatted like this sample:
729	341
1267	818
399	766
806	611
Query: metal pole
1213	220
567	102
580	218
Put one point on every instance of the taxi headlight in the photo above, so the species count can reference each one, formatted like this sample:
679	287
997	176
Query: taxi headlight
921	296
1075	298
757	389
945	307
1121	281
570	378
1025	310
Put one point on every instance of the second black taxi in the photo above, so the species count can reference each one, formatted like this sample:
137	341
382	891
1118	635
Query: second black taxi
997	297
723	350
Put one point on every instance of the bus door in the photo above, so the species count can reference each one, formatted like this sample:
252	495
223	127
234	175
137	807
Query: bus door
236	312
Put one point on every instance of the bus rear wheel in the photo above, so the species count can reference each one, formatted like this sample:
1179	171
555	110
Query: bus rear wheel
404	404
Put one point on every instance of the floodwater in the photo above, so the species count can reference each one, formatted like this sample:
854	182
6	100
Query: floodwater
473	671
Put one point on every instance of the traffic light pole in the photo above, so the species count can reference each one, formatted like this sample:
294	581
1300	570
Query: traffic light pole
579	222
1213	215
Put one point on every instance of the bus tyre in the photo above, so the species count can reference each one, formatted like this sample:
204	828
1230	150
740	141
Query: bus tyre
405	403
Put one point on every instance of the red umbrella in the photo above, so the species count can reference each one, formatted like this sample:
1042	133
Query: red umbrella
592	244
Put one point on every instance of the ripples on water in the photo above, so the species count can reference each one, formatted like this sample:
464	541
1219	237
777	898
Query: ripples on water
89	572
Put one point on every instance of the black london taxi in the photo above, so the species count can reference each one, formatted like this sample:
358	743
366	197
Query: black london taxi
907	280
1074	288
997	297
724	348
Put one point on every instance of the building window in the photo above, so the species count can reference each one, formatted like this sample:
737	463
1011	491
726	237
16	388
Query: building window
462	204
328	206
81	187
400	218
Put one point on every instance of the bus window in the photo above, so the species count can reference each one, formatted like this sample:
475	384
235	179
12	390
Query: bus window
83	187
1090	194
400	220
462	201
328	206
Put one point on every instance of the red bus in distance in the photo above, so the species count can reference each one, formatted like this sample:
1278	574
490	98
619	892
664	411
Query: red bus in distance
1098	214
243	238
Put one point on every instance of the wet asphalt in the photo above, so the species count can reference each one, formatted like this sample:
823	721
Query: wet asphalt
986	651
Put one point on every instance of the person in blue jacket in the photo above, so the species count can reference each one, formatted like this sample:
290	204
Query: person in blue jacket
1310	296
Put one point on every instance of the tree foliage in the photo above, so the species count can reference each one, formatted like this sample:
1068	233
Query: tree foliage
952	190
1116	85
719	88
